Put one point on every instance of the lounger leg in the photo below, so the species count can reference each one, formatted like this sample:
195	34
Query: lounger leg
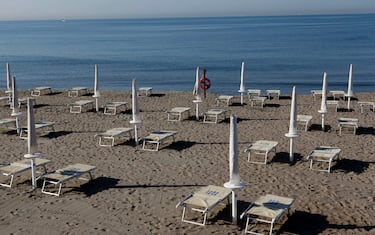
9	185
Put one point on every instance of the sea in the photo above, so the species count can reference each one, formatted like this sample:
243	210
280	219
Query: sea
279	52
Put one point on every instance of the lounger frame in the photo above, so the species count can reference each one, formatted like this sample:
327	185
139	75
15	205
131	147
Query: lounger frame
212	115
178	113
81	105
260	147
157	139
110	135
324	154
111	108
38	91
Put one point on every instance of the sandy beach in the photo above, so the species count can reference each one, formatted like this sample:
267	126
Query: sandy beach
136	191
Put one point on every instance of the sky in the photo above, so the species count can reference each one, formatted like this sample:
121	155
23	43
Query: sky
106	9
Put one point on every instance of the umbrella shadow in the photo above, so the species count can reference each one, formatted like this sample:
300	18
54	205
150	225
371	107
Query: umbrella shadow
318	127
272	105
350	165
181	145
156	95
283	157
55	93
36	106
296	224
56	134
365	130
285	97
103	183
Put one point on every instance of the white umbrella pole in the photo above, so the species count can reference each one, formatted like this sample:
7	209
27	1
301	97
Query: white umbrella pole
291	150
96	88
242	84
323	122
136	134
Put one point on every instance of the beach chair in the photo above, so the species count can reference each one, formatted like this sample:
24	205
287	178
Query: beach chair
203	201
38	126
224	98
212	115
9	123
61	176
366	104
80	105
269	209
304	120
348	123
257	100
260	147
38	91
155	138
78	91
16	168
178	113
337	94
316	93
111	108
323	154
110	135
273	93
333	103
253	93
145	90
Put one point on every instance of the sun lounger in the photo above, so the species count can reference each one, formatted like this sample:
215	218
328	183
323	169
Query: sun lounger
224	98
263	147
80	105
270	209
336	94
8	123
38	91
178	113
156	138
273	93
145	90
257	100
367	104
77	91
111	108
334	103
316	93
63	175
348	123
112	134
305	120
323	154
38	126
212	115
253	93
203	201
16	168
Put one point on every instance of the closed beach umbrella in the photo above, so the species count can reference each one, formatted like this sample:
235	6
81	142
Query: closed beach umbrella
234	169
292	125
8	78
350	94
32	145
242	84
14	104
196	93
323	106
96	88
135	111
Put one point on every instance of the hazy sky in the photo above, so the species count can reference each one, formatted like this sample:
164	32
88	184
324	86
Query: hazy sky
78	9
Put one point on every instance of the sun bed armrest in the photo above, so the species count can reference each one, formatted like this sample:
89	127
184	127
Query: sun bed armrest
183	200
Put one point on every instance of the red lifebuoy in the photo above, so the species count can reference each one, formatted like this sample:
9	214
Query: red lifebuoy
205	83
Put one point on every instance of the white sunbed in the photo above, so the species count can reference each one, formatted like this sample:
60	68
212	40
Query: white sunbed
366	103
16	168
304	120
336	94
38	91
80	105
178	113
77	91
111	108
8	123
63	175
253	93
156	138
145	90
212	115
113	133
263	147
38	126
348	123
270	209
273	93
316	93
333	103
203	201
257	100
224	98
323	154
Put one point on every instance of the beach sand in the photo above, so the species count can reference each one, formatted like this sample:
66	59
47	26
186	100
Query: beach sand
136	191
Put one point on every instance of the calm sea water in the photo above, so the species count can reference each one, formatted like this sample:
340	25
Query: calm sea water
278	52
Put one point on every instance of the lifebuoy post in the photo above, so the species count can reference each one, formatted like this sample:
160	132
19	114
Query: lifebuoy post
204	83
